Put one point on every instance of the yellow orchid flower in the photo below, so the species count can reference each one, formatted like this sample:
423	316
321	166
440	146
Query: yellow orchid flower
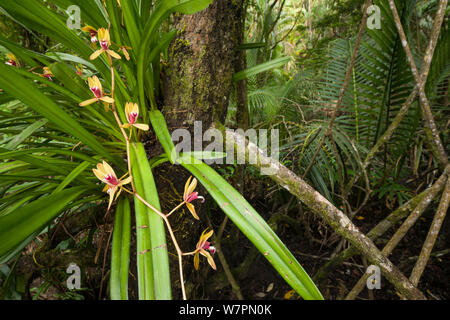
96	88
202	246
47	73
12	60
125	52
105	42
79	69
189	195
132	112
93	33
106	174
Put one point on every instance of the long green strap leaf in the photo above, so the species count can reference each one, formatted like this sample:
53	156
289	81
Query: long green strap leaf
162	132
157	247
72	175
36	100
16	226
272	64
132	22
143	256
120	253
18	139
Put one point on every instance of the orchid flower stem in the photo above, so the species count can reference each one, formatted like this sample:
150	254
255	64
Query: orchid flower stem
174	240
116	116
174	209
131	133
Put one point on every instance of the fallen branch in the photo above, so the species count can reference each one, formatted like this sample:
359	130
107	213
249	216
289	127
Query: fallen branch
383	226
396	238
322	207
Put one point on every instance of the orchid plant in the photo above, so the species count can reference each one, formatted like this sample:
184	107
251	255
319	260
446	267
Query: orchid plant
105	173
84	138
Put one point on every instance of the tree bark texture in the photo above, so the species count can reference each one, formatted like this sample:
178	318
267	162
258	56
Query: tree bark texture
198	80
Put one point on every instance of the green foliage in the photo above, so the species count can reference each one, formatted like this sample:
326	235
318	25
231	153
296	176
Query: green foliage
301	105
152	264
120	252
254	227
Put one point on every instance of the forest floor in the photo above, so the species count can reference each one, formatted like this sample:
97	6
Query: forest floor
258	280
264	283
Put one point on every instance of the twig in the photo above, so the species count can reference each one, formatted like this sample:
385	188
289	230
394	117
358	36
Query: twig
104	264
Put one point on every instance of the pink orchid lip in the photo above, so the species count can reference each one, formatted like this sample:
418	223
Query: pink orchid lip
11	62
132	117
206	245
96	91
49	77
104	45
209	247
111	180
94	39
194	196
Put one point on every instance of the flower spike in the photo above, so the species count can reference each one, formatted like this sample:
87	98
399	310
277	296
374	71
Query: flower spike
125	52
79	70
93	33
12	60
47	73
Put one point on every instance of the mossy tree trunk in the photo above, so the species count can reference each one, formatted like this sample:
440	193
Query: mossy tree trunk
198	79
